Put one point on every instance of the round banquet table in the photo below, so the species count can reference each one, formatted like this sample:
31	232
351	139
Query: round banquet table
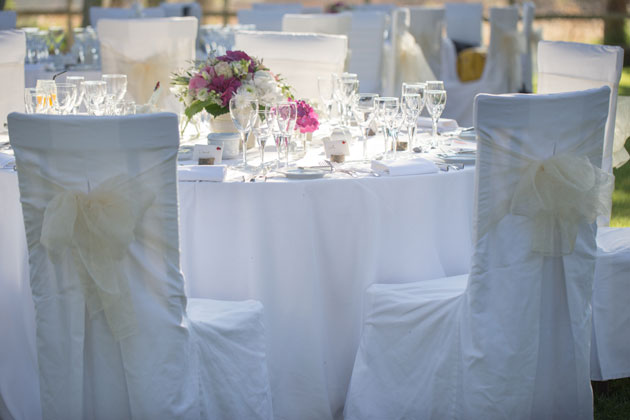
306	249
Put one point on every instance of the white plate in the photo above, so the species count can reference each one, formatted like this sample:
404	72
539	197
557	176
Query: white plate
305	173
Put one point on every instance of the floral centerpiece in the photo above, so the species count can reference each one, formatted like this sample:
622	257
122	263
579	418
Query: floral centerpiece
211	84
307	119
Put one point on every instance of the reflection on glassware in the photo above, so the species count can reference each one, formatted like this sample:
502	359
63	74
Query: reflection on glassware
116	89
326	88
77	81
436	101
95	92
66	97
262	131
30	100
243	115
128	107
364	112
386	111
286	116
46	95
411	106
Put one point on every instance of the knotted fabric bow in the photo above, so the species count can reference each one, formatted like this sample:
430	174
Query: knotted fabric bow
98	227
557	194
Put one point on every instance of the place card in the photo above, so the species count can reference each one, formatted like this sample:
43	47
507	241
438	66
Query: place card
336	150
207	154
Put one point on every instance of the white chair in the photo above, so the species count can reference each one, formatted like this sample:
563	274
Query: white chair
116	336
98	13
182	10
622	132
264	20
8	19
526	58
512	339
298	58
463	22
12	54
427	26
148	51
568	66
501	73
278	7
324	23
365	40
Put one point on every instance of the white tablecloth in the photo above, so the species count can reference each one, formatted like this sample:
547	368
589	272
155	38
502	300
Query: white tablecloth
306	249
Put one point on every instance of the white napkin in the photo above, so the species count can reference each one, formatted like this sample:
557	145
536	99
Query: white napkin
444	124
202	172
416	166
6	161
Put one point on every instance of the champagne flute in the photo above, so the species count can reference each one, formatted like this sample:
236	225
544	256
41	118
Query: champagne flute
243	113
436	100
286	117
387	109
364	112
326	87
411	106
262	130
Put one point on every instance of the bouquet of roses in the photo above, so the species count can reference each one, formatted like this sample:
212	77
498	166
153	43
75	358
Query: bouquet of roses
211	84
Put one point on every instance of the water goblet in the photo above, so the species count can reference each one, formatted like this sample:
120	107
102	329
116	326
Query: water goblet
411	106
436	100
364	112
116	89
387	109
243	113
46	95
262	131
30	100
66	96
286	117
78	82
95	92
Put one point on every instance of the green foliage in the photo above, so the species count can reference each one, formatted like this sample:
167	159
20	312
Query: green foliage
614	404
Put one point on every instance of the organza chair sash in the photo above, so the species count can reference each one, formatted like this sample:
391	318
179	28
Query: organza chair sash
556	194
98	227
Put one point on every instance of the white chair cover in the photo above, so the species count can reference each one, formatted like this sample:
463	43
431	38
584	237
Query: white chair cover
265	20
526	58
501	73
374	7
182	10
114	338
148	51
298	58
513	342
366	45
622	132
8	19
324	23
12	54
463	22
427	26
610	349
568	66
278	7
98	13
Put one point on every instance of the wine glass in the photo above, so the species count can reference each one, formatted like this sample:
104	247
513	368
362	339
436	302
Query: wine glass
30	100
386	111
435	85
277	134
46	95
95	92
364	109
286	116
262	131
66	96
116	89
411	106
243	113
78	82
436	100
326	87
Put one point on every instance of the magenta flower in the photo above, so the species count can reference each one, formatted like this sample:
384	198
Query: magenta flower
231	56
197	82
307	119
226	87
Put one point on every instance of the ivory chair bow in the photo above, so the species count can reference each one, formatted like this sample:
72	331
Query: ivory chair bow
98	227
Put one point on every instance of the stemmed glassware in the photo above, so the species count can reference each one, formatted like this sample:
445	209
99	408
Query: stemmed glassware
350	88
436	100
30	100
116	89
262	131
386	111
364	112
286	117
243	113
78	82
326	88
95	93
413	98
46	95
66	97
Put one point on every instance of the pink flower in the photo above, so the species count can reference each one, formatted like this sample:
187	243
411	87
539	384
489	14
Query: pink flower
307	119
197	82
237	56
225	87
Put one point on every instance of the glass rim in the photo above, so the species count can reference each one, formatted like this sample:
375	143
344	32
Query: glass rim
112	75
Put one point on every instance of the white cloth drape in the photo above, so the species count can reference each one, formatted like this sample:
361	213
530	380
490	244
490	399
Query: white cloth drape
12	53
622	132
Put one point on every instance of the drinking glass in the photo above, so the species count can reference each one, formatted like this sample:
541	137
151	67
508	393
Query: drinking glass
364	110
78	82
277	134
95	92
435	85
348	86
326	87
66	96
243	113
436	100
128	107
286	116
46	95
116	89
262	130
30	100
386	111
411	106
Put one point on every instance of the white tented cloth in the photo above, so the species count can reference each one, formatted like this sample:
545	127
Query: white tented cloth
114	337
403	58
569	66
148	51
463	22
622	131
365	41
98	13
264	20
515	342
12	53
526	58
324	23
501	73
610	351
299	58
8	19
426	25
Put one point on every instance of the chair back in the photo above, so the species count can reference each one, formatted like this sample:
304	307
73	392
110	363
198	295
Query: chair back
365	41
278	7
98	13
148	51
569	66
463	22
99	198
526	58
299	58
323	23
427	26
264	20
528	315
182	10
12	54
8	19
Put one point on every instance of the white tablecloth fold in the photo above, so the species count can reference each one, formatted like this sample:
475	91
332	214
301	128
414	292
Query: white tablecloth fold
417	166
202	172
6	160
444	124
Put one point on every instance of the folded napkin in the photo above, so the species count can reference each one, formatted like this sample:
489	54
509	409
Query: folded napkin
6	161
444	124
416	166
202	172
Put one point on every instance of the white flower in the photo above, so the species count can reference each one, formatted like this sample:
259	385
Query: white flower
202	94
244	95
240	68
223	69
188	99
267	89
